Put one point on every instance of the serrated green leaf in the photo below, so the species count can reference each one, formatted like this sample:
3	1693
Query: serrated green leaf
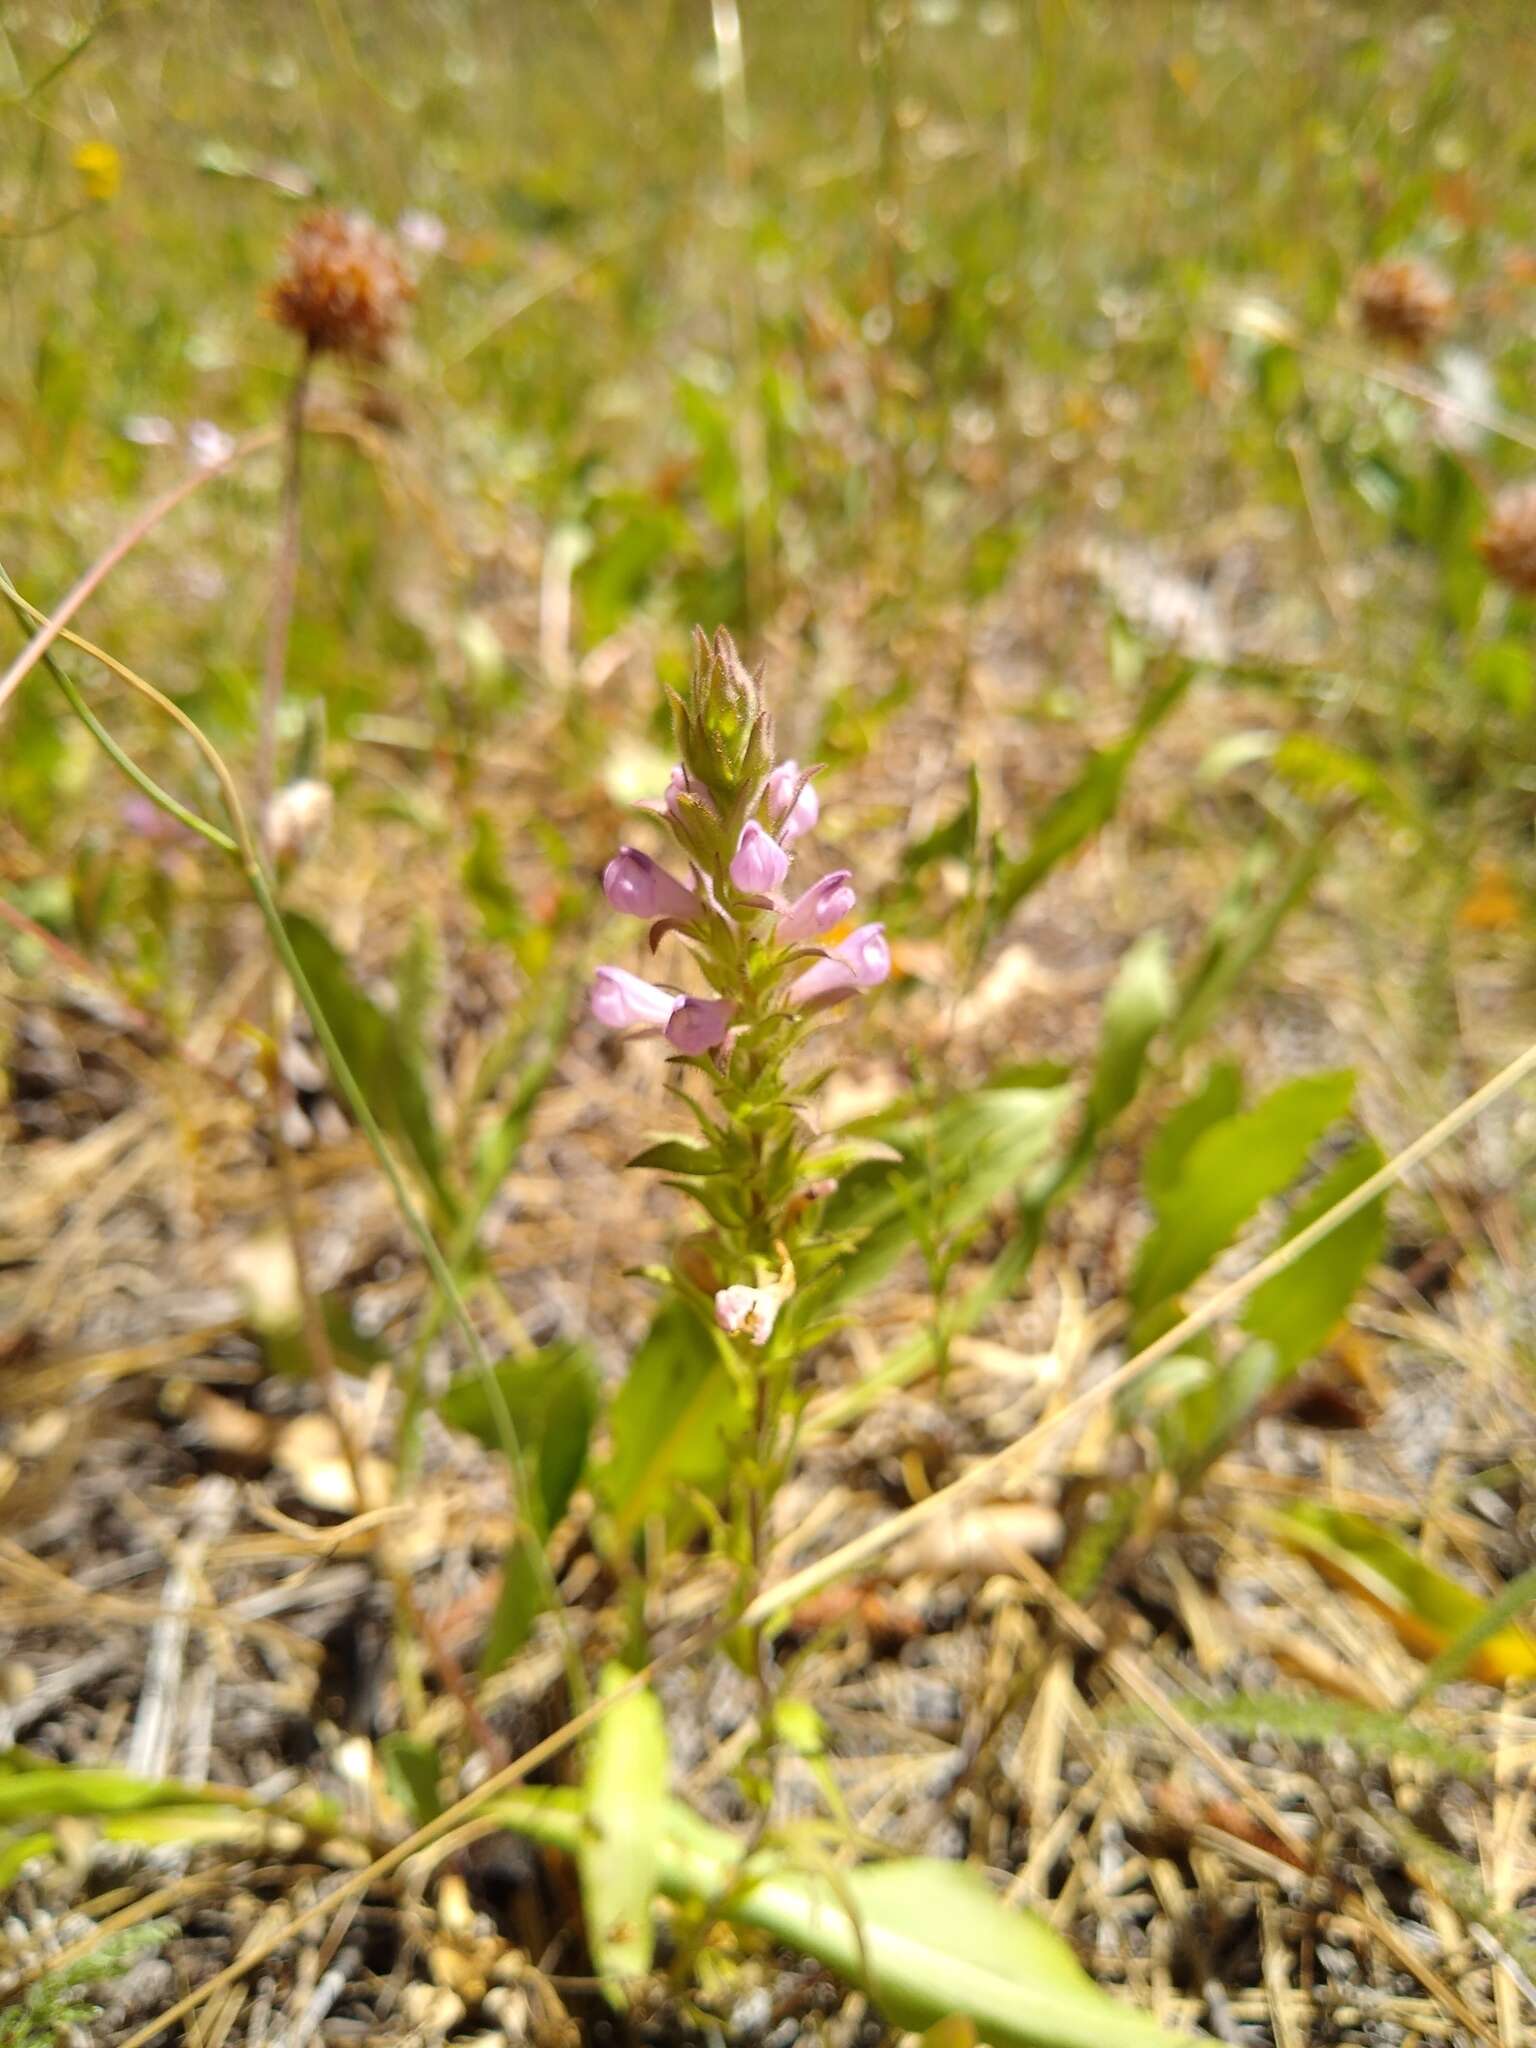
619	1857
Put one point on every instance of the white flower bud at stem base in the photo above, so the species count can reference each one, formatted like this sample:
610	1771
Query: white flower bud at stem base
296	818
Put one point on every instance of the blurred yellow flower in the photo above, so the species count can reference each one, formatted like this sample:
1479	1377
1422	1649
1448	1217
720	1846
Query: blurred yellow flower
100	169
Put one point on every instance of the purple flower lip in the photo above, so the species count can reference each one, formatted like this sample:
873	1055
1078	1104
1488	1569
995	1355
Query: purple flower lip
759	864
824	905
792	813
862	960
641	887
699	1023
624	1002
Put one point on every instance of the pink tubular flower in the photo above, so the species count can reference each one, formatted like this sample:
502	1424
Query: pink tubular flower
862	960
759	863
825	904
623	1002
639	886
699	1023
752	1311
792	814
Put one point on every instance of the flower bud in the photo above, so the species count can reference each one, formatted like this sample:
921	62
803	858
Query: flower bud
862	960
725	734
793	804
748	1311
640	887
759	864
623	1002
680	784
699	1023
825	904
296	818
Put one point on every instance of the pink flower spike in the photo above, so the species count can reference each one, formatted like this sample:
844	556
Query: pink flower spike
699	1023
623	1002
749	1311
639	886
862	960
791	813
825	904
759	864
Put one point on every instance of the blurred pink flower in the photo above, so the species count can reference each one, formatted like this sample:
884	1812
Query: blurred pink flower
792	814
862	960
825	904
699	1023
623	1002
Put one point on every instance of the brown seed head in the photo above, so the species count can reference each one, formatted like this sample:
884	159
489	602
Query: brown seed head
342	287
1508	542
1403	302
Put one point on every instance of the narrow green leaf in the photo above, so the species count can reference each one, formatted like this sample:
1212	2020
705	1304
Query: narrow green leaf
1135	1010
375	1051
519	1603
676	1155
1083	809
552	1399
619	1856
413	1771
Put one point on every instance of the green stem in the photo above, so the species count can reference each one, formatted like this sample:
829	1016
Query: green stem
162	798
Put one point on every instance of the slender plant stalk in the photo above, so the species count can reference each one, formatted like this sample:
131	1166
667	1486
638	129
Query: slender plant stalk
126	542
285	583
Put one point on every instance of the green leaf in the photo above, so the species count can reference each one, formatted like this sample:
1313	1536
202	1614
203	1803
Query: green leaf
373	1048
1135	1010
1227	1173
671	1422
955	1163
520	1600
552	1401
1083	809
1298	1310
676	1155
1219	1096
1505	1606
927	1940
1427	1610
619	1856
413	1771
955	838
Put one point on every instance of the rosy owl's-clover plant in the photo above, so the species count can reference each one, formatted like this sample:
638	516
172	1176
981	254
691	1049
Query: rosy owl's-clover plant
772	964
